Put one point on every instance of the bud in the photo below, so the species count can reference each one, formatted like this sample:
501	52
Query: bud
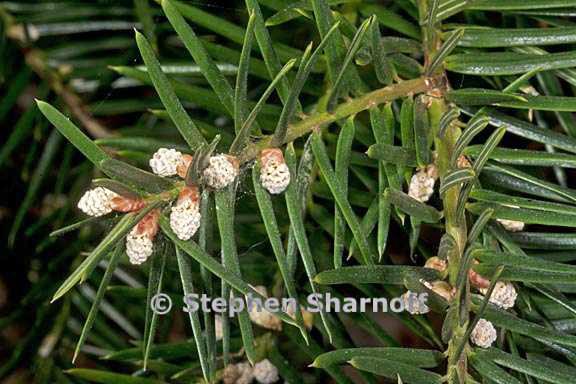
274	173
240	373
413	304
476	279
504	295
125	204
511	225
307	317
463	162
436	263
261	290
529	90
183	165
432	169
221	171
185	214
139	242
422	183
262	317
265	372
96	202
441	288
484	334
165	161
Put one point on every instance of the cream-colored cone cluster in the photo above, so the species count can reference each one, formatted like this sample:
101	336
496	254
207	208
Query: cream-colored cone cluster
264	372
504	294
421	185
165	162
140	240
240	373
185	213
139	247
274	173
97	201
221	171
483	334
413	304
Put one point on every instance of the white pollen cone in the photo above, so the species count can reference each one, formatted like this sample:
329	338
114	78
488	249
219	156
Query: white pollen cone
484	334
97	201
265	372
139	242
241	373
413	304
185	214
274	172
165	161
421	185
504	294
221	171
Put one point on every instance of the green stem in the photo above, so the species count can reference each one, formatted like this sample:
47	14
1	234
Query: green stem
456	227
455	224
379	96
